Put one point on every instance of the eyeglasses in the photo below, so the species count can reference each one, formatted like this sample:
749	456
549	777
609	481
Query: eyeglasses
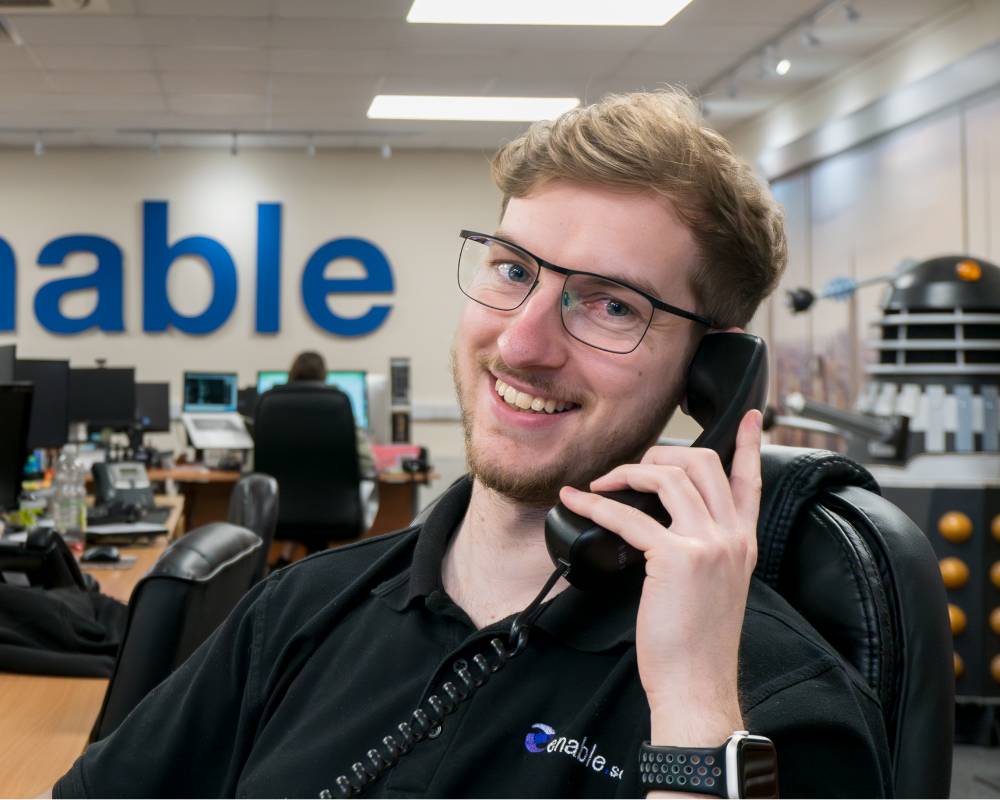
598	311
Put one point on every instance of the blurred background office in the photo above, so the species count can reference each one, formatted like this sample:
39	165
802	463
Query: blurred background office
192	192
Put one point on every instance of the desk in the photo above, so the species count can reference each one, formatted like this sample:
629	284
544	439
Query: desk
46	721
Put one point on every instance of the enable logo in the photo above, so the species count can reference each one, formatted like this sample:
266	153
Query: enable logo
543	739
535	742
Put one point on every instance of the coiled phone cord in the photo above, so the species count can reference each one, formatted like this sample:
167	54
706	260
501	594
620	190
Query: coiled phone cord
431	714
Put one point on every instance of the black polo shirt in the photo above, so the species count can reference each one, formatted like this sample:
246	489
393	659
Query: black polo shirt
323	659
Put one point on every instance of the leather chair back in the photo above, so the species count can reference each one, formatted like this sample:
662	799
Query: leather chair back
305	438
185	596
865	576
253	504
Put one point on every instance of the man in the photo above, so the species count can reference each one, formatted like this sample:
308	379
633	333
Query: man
566	372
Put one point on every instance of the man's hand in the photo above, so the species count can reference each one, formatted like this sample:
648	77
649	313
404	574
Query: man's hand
697	578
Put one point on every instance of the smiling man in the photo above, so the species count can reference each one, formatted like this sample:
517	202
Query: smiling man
403	665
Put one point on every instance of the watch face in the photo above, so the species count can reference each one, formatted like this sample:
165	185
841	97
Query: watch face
758	767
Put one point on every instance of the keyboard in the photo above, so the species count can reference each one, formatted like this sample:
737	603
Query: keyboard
215	425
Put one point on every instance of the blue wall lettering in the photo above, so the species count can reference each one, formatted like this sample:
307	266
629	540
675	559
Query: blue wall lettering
316	286
157	311
268	267
106	281
8	287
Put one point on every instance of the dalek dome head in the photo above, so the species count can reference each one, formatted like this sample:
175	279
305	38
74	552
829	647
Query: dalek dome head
944	284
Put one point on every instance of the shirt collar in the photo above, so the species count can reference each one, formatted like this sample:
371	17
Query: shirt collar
589	621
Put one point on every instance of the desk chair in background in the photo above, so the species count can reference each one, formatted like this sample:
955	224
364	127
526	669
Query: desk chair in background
865	576
305	438
253	504
184	597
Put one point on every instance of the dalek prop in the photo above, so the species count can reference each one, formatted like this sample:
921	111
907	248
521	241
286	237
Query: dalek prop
926	425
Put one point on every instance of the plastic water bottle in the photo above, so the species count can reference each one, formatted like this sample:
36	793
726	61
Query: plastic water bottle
62	507
79	492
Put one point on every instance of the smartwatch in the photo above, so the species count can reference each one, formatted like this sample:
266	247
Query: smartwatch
745	766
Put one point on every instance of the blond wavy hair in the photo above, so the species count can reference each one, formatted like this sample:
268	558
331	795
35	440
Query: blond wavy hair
657	141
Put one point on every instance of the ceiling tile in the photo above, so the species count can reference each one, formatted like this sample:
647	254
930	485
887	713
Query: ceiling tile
105	82
286	83
77	30
330	61
355	9
24	83
210	82
217	104
94	58
223	59
204	31
349	34
13	58
203	8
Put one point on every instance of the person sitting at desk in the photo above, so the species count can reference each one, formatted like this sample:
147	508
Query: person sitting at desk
399	666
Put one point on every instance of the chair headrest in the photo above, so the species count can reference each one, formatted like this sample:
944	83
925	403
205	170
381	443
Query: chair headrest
792	477
200	554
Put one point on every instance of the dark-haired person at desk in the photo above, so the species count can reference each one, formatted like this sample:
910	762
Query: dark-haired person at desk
629	231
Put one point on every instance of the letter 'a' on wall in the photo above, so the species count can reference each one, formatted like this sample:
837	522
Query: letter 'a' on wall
8	288
157	311
106	281
316	286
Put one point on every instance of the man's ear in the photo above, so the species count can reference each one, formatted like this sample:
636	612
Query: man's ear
732	329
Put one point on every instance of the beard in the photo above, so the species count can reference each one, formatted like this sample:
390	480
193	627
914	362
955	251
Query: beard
579	462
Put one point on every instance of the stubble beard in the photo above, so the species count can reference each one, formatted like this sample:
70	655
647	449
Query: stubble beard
579	463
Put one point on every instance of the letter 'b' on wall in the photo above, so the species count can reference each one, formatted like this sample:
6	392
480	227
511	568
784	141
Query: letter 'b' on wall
157	311
316	286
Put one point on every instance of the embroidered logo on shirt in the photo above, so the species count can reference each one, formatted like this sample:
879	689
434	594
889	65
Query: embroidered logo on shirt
543	739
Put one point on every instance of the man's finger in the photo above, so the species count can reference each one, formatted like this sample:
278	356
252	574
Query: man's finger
745	475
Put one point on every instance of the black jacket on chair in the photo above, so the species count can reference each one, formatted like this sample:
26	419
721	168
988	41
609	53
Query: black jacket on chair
865	576
305	438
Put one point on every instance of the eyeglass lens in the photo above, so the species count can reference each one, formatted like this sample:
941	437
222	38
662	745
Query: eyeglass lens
597	311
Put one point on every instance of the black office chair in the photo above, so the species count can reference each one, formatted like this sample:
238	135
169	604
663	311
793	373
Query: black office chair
253	504
863	574
184	597
304	437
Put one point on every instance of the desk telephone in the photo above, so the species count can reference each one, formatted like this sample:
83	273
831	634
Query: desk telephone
726	378
122	492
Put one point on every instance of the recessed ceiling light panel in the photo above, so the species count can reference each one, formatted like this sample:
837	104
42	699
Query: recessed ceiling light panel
489	109
549	12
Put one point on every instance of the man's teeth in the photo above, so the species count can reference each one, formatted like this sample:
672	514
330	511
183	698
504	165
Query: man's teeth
525	401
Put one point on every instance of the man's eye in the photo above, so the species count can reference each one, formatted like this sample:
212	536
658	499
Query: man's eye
616	308
513	272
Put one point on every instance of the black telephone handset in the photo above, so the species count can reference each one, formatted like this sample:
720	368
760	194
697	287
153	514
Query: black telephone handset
727	377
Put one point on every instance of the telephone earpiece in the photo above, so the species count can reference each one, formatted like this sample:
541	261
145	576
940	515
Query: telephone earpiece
727	377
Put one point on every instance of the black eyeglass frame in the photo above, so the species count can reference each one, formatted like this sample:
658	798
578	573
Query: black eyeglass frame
655	301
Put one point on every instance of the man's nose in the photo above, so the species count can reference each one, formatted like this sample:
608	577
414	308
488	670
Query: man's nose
533	335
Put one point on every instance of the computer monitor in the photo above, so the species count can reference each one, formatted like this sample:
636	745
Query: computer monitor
15	411
102	397
152	406
350	382
50	404
8	355
268	379
210	391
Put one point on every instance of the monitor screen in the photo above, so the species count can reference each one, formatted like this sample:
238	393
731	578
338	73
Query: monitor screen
15	411
50	405
350	382
210	391
152	406
268	379
7	360
102	397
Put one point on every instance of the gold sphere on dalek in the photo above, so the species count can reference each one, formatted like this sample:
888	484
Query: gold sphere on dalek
954	572
955	526
957	619
995	668
995	527
995	620
959	665
995	574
